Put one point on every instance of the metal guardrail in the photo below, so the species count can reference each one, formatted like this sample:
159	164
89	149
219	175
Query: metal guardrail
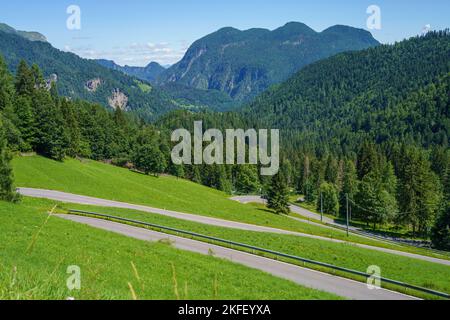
275	253
376	237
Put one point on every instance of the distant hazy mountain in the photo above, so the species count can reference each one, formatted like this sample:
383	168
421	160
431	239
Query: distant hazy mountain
245	63
148	73
32	36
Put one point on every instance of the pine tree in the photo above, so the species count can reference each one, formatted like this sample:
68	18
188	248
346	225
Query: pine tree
440	234
418	194
25	122
176	170
7	190
247	181
51	135
38	78
6	89
374	204
74	146
367	159
278	195
196	175
25	82
331	170
349	186
329	201
306	172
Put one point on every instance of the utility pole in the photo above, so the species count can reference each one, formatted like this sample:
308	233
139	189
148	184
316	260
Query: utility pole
321	207
348	213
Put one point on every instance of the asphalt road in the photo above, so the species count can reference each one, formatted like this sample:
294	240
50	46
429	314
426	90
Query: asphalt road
303	212
72	198
312	279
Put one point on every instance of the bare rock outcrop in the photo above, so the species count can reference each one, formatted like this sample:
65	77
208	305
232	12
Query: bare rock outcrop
118	100
93	84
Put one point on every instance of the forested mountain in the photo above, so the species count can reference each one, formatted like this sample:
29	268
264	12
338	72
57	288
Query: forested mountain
79	78
32	36
389	93
148	73
245	63
371	127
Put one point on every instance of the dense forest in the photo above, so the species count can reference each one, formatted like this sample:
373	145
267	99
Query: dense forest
385	150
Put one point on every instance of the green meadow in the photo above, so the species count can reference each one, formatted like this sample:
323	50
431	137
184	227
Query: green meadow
413	271
36	251
91	178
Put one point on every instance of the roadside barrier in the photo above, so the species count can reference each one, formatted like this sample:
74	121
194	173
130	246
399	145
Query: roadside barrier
256	249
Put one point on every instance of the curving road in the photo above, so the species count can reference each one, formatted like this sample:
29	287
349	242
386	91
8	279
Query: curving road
309	278
303	212
72	198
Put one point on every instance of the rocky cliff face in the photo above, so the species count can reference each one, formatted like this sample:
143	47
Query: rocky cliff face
92	85
245	63
118	100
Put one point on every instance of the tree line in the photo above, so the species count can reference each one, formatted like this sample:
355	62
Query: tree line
389	182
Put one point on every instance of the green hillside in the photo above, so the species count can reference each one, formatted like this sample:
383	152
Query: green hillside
36	254
79	78
96	179
385	94
414	271
32	36
104	181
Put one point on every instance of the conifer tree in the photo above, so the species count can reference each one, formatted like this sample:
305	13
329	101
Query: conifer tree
418	194
349	186
329	200
25	82
367	159
7	190
6	88
440	234
247	180
278	195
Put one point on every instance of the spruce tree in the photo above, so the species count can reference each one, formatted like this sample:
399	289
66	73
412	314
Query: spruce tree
6	89
25	82
7	190
418	194
51	135
25	122
375	204
440	234
349	186
247	181
278	195
329	201
367	159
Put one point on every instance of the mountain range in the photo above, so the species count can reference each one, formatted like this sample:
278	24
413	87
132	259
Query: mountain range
32	36
219	72
148	73
390	93
245	63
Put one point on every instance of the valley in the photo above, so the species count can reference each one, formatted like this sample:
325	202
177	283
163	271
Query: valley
157	180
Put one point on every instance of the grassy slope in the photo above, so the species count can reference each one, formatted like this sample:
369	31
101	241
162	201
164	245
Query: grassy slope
106	261
413	271
104	181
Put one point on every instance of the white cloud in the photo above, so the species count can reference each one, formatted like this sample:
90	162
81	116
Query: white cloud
135	54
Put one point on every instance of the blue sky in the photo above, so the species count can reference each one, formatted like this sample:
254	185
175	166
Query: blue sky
136	32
